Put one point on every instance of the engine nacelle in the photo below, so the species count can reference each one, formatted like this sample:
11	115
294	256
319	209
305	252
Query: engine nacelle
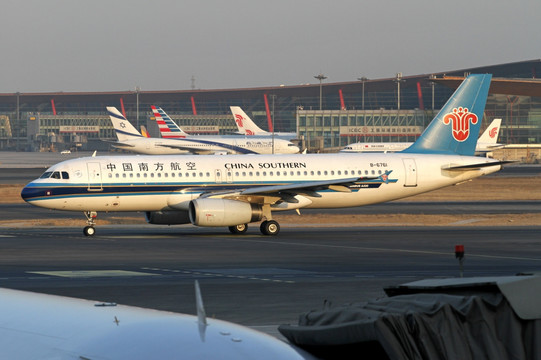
167	217
223	212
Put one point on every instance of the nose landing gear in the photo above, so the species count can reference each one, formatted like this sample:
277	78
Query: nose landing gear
90	220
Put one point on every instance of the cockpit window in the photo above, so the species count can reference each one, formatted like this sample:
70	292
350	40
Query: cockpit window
55	175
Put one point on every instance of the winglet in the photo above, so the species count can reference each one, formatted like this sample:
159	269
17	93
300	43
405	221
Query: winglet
456	127
201	314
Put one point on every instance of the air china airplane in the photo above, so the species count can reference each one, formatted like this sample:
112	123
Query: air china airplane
235	190
486	143
130	139
248	127
39	326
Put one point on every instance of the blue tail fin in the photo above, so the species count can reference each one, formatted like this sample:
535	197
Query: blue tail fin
456	127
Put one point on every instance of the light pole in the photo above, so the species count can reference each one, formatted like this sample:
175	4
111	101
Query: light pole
18	122
398	80
320	77
432	84
272	121
137	105
363	80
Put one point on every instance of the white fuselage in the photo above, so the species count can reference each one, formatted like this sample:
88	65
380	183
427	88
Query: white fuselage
480	149
152	183
208	145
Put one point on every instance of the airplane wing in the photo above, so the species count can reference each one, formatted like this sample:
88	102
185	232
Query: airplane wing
118	144
286	192
39	326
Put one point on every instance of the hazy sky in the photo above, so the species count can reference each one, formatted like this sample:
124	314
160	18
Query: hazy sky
110	45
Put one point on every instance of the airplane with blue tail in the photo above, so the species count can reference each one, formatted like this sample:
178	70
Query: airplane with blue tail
236	190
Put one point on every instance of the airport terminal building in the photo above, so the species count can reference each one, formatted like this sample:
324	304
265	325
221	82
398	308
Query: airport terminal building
326	116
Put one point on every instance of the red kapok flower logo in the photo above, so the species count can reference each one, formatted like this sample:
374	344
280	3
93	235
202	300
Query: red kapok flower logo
460	122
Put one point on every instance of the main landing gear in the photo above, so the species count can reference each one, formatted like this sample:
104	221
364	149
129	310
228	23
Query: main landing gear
238	229
90	220
268	227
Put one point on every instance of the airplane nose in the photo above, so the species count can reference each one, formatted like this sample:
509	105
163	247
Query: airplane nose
29	192
25	193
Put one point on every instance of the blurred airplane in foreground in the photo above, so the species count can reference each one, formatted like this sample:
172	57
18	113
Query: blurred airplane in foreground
39	326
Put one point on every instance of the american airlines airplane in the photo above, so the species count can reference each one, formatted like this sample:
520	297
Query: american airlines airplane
39	326
235	190
130	139
248	127
486	143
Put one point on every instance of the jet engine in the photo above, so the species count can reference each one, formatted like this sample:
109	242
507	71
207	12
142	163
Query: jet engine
167	217
223	212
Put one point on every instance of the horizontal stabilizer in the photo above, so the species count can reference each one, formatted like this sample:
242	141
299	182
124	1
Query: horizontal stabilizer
475	166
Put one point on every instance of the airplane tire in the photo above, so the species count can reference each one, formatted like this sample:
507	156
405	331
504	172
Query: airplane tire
89	231
270	227
238	229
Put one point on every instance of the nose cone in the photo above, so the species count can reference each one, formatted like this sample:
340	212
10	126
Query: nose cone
30	192
25	193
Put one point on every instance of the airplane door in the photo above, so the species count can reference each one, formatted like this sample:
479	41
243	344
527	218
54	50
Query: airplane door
223	175
94	176
218	176
411	172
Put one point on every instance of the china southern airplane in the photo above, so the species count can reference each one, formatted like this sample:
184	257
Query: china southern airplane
235	190
248	127
39	326
486	143
130	139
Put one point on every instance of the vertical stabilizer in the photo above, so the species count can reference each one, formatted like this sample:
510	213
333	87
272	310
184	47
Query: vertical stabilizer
245	124
490	135
168	128
123	128
456	127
